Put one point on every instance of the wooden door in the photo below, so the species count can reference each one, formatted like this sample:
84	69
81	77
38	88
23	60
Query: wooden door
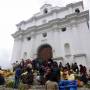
45	52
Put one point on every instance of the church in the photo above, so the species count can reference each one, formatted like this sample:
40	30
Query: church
60	33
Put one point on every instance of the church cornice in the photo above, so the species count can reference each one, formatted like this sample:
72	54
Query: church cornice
17	33
54	10
79	55
58	22
59	9
75	4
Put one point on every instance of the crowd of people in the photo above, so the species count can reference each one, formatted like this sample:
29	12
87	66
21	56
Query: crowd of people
47	73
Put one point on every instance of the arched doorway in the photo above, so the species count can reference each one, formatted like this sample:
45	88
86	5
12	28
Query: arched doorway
45	52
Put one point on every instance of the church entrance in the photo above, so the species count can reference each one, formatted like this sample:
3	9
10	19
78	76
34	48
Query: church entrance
45	52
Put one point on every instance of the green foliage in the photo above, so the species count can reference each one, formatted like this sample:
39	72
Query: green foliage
22	86
87	85
10	84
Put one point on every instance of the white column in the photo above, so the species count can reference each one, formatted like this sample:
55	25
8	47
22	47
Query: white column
16	54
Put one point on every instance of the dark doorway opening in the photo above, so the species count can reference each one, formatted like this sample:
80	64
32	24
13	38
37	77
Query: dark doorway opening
45	52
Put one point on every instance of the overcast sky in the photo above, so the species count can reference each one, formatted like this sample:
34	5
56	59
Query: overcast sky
13	12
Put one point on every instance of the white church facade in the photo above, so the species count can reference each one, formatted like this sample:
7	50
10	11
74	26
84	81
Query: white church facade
64	29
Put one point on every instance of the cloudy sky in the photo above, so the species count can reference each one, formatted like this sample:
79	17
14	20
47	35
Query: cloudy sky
14	11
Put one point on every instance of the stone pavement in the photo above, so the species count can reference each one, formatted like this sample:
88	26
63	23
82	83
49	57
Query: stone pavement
38	87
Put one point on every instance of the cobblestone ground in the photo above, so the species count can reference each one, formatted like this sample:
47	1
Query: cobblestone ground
39	87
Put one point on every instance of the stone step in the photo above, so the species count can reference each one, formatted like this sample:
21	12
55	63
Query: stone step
37	87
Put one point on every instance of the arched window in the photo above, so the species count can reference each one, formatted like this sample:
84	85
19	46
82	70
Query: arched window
77	10
67	49
63	29
44	34
28	38
45	11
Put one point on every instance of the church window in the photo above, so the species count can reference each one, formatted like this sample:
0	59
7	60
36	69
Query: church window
45	11
63	29
44	34
28	38
77	10
67	48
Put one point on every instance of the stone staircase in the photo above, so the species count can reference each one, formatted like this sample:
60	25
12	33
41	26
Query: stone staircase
33	87
36	87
